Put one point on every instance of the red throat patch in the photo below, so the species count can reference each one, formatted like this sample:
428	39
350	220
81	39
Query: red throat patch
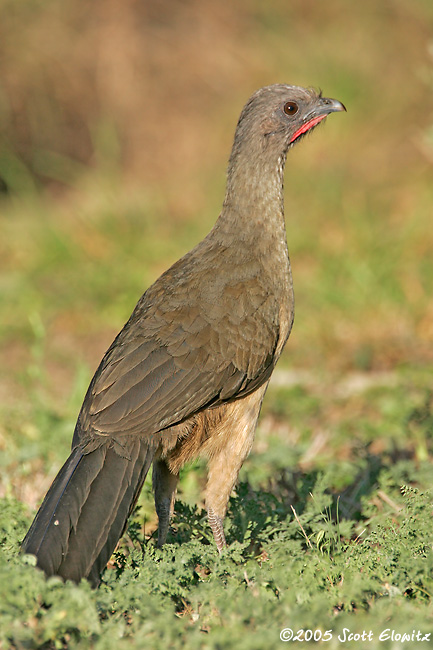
307	126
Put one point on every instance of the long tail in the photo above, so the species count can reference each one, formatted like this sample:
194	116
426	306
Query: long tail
86	509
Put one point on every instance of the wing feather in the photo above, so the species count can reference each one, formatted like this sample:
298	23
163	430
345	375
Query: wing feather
180	353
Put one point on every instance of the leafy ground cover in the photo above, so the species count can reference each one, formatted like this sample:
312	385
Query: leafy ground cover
343	543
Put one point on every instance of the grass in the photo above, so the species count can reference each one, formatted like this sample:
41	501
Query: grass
330	526
304	572
343	542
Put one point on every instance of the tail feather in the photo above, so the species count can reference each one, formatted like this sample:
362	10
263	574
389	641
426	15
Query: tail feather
48	535
124	510
86	509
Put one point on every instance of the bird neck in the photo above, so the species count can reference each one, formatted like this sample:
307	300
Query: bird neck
254	201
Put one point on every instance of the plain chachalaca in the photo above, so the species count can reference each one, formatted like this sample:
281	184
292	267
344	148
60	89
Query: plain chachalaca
187	374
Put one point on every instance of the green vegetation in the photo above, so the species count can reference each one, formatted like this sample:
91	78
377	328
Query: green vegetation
105	180
342	542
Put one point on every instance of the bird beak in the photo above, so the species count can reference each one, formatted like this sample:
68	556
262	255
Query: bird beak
327	105
324	106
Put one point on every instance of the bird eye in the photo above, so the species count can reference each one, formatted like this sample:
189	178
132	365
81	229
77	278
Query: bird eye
290	108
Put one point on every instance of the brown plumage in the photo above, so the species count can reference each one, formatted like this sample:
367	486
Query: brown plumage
187	374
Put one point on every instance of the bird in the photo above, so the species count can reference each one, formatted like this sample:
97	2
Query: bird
186	376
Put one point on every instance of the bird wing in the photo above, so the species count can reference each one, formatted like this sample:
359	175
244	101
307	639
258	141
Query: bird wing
168	363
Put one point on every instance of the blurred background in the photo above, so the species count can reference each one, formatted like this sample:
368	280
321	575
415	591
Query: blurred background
116	122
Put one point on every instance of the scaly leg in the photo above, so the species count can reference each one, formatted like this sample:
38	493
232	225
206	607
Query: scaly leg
164	488
216	523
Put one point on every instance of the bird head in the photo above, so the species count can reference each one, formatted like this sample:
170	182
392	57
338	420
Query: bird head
277	116
273	119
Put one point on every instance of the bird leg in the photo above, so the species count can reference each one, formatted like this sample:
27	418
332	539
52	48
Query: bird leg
216	523
226	451
164	488
222	475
